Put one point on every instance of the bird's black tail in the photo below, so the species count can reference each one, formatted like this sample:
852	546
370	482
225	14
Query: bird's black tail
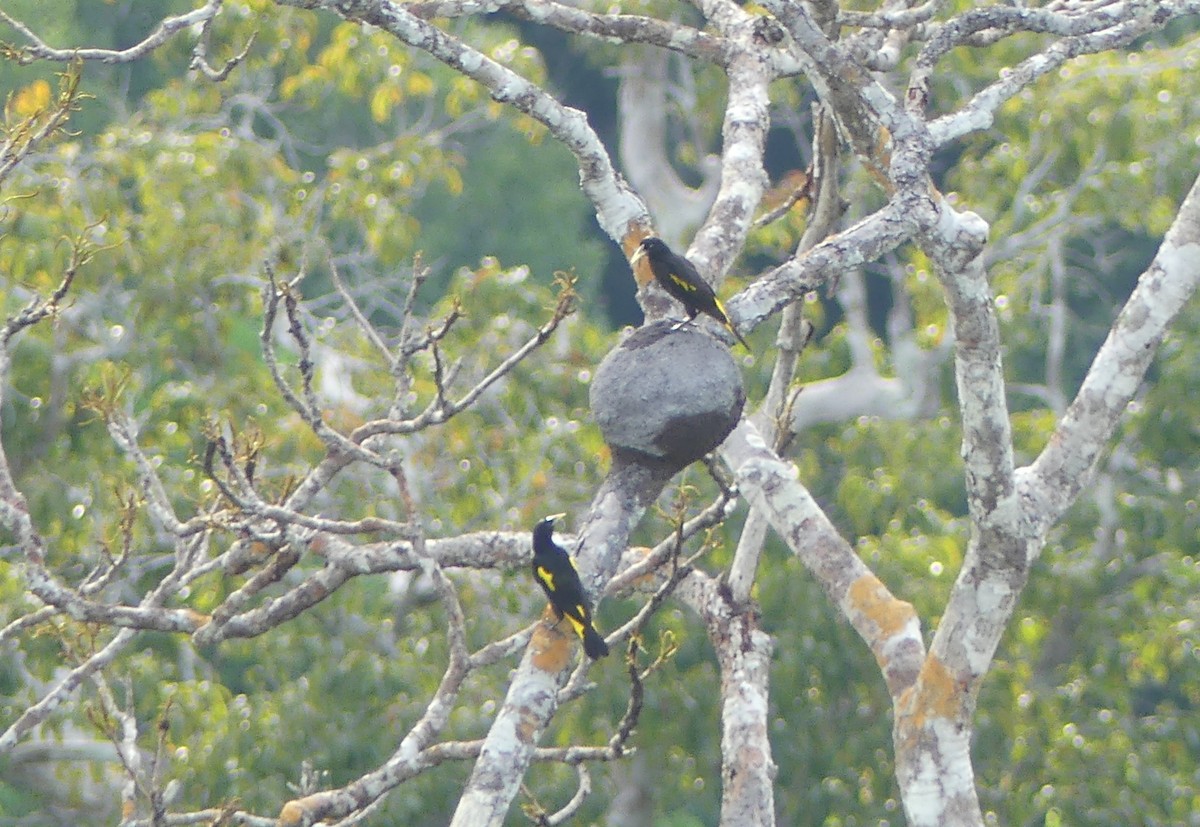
593	643
723	317
736	335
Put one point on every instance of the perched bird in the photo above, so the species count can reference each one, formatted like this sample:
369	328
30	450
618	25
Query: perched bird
679	277
555	572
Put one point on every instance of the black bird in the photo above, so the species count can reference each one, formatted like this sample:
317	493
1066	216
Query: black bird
555	572
679	277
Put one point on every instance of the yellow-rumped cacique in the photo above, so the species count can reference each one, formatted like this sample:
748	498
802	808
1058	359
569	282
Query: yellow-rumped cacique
556	574
683	281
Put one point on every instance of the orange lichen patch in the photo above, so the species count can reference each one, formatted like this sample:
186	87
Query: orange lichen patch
936	694
343	418
552	644
633	238
795	184
868	596
292	813
198	619
641	273
260	550
128	809
529	726
940	692
649	579
881	159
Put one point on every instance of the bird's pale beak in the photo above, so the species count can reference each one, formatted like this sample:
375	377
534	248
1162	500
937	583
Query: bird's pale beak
638	255
549	518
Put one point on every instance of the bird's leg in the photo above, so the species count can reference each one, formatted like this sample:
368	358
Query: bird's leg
679	325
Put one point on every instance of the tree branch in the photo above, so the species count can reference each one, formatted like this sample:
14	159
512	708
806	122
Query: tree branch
889	626
744	654
744	136
168	28
979	112
1054	480
618	208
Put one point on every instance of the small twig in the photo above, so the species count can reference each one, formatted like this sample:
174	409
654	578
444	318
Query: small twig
498	650
441	410
637	695
409	342
36	713
784	433
308	408
679	570
158	804
632	628
717	474
219	441
200	54
439	374
281	562
273	293
355	818
897	19
401	360
82	251
247	500
712	515
214	817
124	433
456	623
296	330
359	317
119	726
803	192
28	621
167	28
569	809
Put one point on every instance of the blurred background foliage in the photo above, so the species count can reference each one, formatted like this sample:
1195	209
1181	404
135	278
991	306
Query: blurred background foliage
335	147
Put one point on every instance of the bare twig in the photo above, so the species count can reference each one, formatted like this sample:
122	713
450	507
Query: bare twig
166	29
200	54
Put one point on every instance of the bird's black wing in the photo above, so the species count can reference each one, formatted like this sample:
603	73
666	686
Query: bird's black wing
557	576
684	276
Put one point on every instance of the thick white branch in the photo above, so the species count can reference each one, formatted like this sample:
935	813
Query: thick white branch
744	654
955	245
532	697
890	627
882	231
1054	480
744	133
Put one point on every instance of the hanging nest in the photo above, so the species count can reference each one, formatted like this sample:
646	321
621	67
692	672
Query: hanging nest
667	396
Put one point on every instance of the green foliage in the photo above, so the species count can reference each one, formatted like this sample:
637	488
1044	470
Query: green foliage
1094	152
186	198
498	209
